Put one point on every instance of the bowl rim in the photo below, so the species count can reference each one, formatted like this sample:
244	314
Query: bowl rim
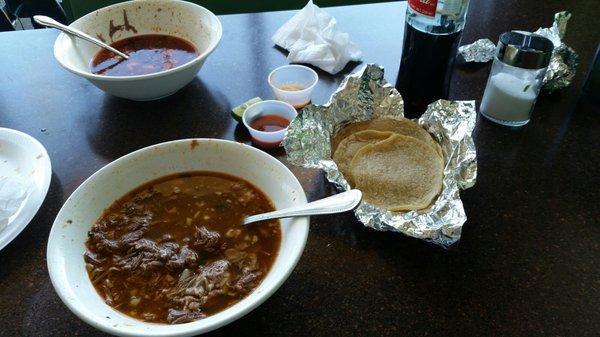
186	328
88	74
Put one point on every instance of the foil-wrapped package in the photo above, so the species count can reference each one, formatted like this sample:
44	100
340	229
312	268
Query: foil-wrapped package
366	95
482	50
563	62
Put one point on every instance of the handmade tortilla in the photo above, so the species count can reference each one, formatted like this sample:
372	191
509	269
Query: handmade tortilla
400	173
400	126
350	145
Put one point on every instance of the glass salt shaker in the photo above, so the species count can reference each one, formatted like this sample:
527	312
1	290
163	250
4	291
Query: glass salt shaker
516	77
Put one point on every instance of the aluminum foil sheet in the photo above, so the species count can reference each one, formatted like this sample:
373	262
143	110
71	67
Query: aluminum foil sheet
563	62
366	95
482	50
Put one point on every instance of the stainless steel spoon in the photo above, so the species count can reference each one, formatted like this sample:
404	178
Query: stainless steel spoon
50	22
335	204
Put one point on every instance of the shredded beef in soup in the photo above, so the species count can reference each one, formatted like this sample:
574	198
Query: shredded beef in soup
174	250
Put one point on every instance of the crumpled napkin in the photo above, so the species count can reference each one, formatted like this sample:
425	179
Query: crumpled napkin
13	191
311	37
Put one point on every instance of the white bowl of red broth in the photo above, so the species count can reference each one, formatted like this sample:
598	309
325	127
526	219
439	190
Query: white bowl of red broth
152	244
167	42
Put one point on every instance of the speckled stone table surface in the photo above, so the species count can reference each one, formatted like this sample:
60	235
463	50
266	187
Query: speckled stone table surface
528	263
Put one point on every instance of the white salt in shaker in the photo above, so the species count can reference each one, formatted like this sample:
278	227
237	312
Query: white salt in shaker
516	77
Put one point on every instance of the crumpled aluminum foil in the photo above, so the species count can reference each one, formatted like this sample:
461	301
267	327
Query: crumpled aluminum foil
482	50
563	62
366	95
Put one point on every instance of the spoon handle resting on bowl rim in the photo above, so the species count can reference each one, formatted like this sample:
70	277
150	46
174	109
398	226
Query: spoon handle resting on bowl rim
335	204
50	22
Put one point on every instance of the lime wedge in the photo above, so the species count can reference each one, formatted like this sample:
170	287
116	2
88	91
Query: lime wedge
238	111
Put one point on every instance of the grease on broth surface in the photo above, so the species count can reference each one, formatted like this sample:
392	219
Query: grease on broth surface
174	250
270	123
148	54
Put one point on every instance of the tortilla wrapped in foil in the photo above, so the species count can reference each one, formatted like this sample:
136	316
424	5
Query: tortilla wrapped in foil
366	95
563	62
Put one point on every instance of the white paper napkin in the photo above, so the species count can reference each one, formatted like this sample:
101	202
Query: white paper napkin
13	191
311	37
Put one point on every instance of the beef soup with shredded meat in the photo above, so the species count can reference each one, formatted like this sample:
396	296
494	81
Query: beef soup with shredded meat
174	250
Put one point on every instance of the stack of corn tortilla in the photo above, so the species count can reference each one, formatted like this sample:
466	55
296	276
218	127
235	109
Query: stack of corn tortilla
394	161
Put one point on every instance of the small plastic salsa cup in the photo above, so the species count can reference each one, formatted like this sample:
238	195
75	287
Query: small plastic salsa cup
264	122
293	84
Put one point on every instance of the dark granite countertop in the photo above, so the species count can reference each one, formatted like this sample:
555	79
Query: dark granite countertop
528	263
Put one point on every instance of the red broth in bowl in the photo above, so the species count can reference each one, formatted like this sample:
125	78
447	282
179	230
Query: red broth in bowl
150	53
175	250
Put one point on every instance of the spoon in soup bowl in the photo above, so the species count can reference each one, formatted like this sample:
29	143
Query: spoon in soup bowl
50	22
338	203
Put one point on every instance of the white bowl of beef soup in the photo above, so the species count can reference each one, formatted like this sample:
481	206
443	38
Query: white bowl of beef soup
196	25
67	241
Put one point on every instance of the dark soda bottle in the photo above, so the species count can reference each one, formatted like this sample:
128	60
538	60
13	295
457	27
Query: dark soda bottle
431	37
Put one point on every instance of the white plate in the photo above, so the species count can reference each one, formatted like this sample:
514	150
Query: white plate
23	155
66	243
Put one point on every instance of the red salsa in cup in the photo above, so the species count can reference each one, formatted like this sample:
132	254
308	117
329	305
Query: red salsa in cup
268	123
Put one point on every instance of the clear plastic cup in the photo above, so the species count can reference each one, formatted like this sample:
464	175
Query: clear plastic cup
268	139
293	83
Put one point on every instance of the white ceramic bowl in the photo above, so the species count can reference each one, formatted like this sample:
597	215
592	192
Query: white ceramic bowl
186	20
66	243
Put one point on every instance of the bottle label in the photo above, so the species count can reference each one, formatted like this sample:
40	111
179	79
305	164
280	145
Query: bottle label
452	8
423	7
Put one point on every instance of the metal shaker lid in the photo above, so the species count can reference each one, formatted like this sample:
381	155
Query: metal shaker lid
525	50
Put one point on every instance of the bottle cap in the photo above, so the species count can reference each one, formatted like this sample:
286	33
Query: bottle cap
524	50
